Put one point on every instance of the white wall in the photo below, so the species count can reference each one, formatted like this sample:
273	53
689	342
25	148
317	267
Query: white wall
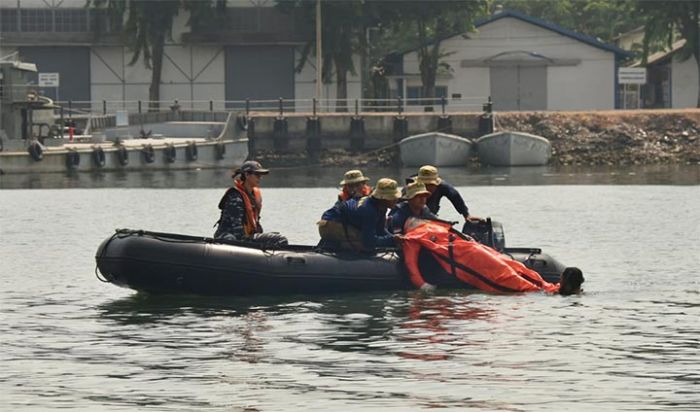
305	83
587	85
189	73
684	83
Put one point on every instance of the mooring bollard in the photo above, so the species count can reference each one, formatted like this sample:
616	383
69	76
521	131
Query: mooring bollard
251	136
400	128
280	134
357	134
486	125
313	137
444	124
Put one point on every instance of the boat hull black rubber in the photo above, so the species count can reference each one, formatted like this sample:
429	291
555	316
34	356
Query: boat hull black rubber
165	263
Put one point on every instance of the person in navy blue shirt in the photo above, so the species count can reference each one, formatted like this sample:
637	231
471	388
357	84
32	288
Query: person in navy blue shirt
438	188
360	225
413	206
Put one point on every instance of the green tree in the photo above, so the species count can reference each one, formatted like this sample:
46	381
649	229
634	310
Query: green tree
431	22
342	32
667	21
148	25
602	19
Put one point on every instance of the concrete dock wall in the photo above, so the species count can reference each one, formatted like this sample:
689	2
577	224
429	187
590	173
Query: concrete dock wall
335	129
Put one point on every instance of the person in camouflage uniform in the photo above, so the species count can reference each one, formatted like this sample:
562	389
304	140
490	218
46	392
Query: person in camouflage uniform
240	208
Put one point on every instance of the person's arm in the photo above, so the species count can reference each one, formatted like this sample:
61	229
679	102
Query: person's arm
384	236
427	214
456	199
395	221
368	229
374	232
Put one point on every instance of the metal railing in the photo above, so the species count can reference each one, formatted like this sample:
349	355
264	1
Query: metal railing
281	106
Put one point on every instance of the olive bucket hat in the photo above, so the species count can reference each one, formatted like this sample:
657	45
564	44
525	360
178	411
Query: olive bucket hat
352	177
415	189
386	189
428	175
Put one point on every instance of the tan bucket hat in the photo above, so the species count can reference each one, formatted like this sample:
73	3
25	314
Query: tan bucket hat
428	175
386	189
353	176
414	189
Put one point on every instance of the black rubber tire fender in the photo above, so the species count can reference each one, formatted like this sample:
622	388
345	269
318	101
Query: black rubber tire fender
191	151
123	156
36	151
170	153
98	157
219	151
149	155
72	159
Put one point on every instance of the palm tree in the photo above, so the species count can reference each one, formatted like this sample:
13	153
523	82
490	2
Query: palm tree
342	27
147	25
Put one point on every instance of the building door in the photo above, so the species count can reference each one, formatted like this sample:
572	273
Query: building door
72	65
519	87
259	73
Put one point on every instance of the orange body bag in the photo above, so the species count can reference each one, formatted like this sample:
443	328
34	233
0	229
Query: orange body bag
469	261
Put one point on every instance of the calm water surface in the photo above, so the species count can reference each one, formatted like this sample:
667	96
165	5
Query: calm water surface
630	342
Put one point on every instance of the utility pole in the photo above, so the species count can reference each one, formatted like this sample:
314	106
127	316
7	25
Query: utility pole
319	60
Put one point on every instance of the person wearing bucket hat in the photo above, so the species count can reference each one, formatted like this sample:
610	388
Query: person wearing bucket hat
438	188
415	197
241	205
360	225
354	185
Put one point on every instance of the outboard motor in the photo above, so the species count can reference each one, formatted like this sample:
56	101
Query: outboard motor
487	232
491	233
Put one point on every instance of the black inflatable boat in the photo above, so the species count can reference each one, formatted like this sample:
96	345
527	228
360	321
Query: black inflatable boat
170	263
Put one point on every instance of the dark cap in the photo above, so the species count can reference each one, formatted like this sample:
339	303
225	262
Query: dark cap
251	166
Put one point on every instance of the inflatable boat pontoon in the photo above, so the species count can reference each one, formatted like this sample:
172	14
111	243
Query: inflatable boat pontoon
171	263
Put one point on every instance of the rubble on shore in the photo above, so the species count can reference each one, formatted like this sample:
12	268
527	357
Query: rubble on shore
613	138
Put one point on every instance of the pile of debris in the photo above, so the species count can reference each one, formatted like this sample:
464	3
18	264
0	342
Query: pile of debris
612	138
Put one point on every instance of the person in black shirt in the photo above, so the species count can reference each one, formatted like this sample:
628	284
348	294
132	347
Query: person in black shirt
413	206
438	188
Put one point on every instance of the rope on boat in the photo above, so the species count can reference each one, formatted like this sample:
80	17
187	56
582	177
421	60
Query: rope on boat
100	276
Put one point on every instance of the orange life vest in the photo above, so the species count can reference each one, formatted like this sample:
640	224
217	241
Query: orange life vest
470	261
252	211
345	195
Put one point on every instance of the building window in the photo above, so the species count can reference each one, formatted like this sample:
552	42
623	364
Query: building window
416	92
36	20
8	20
71	20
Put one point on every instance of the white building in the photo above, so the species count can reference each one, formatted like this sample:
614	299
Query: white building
671	82
253	57
523	63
